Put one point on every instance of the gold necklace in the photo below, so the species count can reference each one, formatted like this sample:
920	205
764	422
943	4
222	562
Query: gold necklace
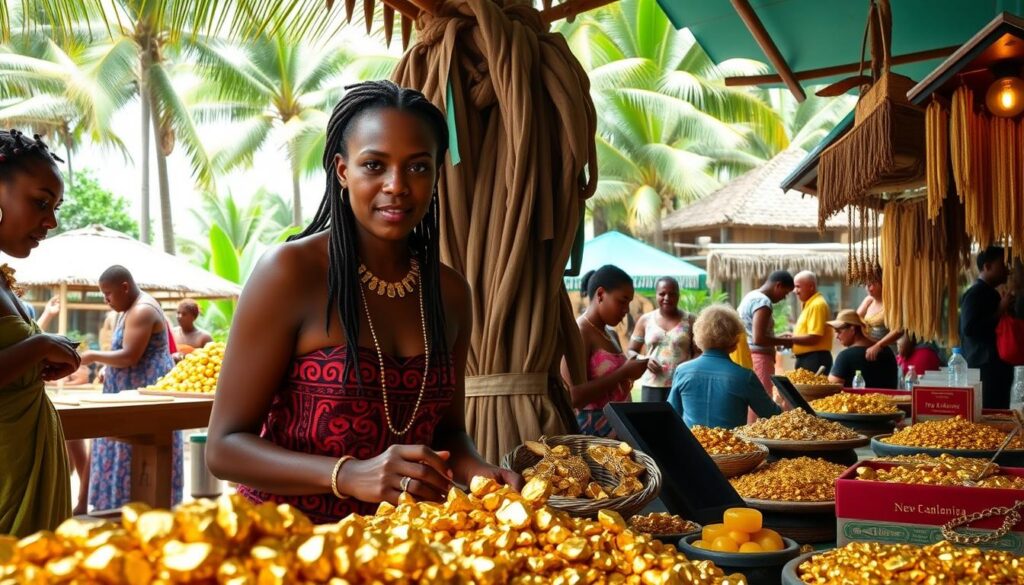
399	288
7	273
380	359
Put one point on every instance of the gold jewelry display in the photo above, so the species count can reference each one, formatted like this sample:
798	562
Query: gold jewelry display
381	286
7	273
334	476
380	358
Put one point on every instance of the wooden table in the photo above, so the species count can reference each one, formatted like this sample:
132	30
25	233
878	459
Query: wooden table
148	428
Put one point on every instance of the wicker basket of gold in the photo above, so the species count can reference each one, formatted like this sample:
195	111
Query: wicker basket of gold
732	454
588	474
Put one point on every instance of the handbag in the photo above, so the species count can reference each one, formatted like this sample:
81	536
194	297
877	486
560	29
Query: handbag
1010	340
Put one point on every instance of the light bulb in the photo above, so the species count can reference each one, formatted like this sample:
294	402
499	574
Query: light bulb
1005	97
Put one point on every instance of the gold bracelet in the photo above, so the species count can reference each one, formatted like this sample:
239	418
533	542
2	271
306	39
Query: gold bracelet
334	477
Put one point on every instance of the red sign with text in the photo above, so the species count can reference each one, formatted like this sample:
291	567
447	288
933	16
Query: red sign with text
938	402
913	514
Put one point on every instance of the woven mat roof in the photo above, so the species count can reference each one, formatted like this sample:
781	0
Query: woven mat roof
726	262
755	199
78	257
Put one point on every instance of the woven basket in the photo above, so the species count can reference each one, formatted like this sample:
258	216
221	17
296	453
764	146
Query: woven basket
521	458
734	464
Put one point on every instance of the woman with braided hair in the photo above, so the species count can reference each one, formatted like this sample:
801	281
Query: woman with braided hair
35	481
343	381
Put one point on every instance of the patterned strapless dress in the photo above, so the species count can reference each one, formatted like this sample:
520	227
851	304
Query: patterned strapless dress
317	411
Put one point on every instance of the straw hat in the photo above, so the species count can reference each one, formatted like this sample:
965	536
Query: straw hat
849	317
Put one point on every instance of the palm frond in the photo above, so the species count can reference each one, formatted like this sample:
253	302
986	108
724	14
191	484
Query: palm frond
681	174
246	140
170	107
634	72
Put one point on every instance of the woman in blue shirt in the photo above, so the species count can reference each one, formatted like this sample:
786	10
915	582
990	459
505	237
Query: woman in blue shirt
712	390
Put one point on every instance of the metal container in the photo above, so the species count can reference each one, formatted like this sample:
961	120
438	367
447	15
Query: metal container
204	483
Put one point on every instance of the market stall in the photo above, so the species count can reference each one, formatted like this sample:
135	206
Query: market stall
73	261
148	425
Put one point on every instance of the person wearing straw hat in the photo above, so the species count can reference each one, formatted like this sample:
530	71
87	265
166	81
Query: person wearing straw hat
852	333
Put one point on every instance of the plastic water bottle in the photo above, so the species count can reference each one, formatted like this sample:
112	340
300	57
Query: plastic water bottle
858	380
957	371
1017	390
910	379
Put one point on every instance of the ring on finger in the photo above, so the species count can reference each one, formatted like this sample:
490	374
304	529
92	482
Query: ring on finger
405	483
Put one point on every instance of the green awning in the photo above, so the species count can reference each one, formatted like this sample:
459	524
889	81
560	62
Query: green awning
812	34
646	264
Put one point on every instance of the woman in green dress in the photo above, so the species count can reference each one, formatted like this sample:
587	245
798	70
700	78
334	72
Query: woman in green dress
35	482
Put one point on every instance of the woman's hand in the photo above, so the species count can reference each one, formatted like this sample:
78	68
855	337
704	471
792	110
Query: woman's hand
52	307
633	369
57	356
498	474
88	358
872	352
653	366
380	479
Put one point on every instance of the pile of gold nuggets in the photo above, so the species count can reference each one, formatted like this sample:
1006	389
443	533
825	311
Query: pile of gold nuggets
490	535
569	474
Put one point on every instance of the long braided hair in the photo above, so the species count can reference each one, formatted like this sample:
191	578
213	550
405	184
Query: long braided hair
18	154
335	214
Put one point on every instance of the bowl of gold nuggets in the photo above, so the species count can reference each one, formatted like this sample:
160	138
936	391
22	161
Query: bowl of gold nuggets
732	454
873	562
667	528
955	436
868	414
588	474
796	430
811	385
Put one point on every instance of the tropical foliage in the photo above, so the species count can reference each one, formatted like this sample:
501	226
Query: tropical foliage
271	83
669	130
236	237
87	203
65	92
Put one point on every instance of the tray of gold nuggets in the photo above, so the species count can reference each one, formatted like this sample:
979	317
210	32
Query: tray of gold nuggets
668	528
588	474
811	385
873	562
801	484
954	436
944	470
849	407
796	430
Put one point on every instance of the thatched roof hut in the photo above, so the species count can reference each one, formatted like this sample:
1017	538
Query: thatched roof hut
753	207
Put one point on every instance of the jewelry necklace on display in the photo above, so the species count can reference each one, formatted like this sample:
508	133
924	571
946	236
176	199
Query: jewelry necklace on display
380	359
399	288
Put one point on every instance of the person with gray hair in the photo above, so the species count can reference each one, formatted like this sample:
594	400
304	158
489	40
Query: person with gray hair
812	343
712	390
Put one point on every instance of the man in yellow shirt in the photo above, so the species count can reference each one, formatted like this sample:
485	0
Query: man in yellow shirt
812	344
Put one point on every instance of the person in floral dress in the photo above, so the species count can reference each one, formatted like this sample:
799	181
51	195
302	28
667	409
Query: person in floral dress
139	357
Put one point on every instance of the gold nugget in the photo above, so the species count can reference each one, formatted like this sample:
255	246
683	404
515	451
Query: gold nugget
489	536
953	433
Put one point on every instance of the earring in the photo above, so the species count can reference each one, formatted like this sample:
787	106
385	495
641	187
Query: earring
1	214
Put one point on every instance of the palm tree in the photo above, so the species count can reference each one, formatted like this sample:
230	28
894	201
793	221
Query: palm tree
665	114
67	92
274	85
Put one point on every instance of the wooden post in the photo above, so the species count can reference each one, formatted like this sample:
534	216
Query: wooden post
839	69
62	319
152	469
570	8
764	40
